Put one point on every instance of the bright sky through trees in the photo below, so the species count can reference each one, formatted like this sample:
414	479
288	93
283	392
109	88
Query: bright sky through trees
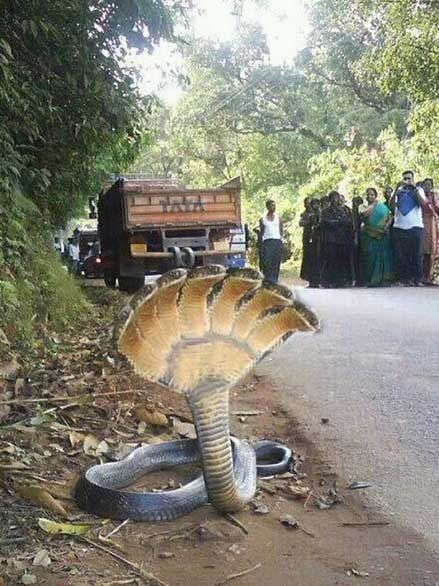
284	22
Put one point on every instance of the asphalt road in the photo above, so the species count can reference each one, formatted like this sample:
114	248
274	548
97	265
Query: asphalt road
374	372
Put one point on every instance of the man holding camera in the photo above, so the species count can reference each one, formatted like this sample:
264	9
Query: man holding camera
408	230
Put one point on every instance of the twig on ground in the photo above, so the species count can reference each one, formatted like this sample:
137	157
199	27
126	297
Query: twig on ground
117	529
147	576
168	532
116	582
10	540
365	524
61	408
12	468
236	522
247	413
306	531
185	534
109	542
238	575
30	475
308	498
68	398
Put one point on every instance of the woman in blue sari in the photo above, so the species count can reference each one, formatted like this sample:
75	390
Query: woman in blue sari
375	241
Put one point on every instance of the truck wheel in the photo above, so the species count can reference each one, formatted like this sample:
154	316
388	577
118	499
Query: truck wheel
110	278
131	284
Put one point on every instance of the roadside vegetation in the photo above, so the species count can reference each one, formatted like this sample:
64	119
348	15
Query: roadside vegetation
71	114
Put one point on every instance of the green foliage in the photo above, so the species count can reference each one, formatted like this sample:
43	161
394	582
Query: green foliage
71	111
37	296
406	61
71	114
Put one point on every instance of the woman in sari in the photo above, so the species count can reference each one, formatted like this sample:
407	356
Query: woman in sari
337	243
430	218
375	241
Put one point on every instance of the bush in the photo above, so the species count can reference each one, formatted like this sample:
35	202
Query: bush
37	296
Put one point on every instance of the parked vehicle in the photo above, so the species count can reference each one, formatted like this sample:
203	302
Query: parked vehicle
90	262
149	226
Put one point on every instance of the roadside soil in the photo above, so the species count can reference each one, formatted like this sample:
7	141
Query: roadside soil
83	405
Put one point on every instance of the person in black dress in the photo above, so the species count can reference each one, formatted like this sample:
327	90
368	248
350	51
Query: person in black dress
337	243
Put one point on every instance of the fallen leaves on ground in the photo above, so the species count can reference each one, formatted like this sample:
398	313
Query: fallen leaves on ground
65	528
42	558
150	417
39	496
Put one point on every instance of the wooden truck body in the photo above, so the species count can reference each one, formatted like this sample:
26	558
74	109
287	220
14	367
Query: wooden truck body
150	226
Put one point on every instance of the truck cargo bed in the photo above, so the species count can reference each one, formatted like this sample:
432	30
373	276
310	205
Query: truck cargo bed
145	208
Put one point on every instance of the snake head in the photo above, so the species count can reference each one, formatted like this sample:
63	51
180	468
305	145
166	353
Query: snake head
198	330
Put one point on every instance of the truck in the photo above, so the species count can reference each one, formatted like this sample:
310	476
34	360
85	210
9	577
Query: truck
149	226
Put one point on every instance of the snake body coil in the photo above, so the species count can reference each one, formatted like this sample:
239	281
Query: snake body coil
197	332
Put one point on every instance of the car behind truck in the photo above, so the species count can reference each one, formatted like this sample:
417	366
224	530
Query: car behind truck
149	226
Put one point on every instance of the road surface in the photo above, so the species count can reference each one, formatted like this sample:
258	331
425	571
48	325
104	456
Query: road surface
374	372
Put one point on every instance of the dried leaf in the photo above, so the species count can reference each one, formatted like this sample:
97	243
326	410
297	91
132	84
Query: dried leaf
19	385
184	429
354	572
9	368
297	492
59	492
151	417
141	428
289	521
28	579
91	443
57	448
261	509
4	414
14	466
123	450
359	484
76	438
40	496
166	555
42	559
65	528
4	339
102	448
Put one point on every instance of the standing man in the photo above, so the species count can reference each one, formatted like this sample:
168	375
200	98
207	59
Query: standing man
74	256
271	230
408	230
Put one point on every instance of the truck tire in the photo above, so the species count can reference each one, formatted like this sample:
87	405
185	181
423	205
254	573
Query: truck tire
131	284
110	278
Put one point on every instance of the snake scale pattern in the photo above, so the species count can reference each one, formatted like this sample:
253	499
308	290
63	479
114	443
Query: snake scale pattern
197	332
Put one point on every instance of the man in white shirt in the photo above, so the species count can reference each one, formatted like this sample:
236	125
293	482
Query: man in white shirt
74	256
271	234
408	230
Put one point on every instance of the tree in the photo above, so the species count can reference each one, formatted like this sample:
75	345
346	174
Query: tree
71	111
406	61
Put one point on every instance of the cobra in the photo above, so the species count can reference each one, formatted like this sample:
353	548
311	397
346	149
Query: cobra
197	332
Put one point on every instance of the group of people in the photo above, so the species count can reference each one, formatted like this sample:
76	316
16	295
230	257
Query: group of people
376	243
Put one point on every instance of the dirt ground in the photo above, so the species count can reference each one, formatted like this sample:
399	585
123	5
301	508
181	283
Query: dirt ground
82	405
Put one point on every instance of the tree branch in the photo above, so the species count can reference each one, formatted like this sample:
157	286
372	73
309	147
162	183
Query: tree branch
305	132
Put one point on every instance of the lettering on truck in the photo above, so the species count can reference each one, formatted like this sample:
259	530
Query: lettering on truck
182	205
